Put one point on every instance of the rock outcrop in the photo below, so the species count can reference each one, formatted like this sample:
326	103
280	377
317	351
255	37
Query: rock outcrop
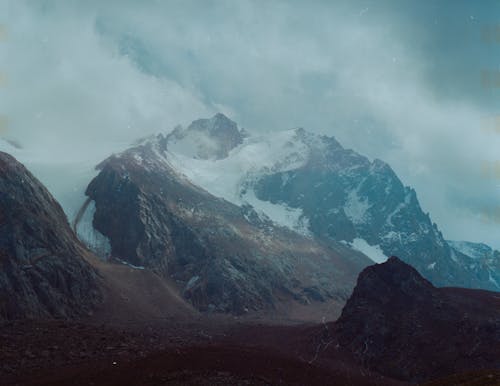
43	273
397	323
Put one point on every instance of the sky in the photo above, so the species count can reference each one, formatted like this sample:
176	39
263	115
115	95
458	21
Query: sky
409	82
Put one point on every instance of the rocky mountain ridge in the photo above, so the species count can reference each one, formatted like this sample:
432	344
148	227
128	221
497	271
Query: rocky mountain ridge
313	185
225	257
43	272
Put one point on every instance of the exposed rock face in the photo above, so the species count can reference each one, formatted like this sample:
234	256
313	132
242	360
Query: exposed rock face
482	260
398	323
42	270
225	257
344	196
210	138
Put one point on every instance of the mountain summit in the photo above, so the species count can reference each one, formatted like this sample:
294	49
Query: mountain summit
399	324
206	139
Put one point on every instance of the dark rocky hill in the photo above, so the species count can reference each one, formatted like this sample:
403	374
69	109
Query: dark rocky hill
397	323
42	268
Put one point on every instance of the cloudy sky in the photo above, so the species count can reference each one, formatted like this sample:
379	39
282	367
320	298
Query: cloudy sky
410	82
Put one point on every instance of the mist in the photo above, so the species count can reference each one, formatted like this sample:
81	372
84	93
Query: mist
392	80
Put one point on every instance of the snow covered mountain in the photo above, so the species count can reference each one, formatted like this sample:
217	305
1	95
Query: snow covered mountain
216	185
483	260
223	257
313	185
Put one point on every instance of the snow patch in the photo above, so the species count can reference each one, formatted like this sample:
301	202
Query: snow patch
374	252
231	178
190	284
95	240
355	208
280	214
473	250
257	156
193	145
492	280
130	265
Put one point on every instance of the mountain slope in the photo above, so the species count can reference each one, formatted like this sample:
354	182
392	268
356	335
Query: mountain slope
344	196
225	257
483	260
314	186
205	202
42	268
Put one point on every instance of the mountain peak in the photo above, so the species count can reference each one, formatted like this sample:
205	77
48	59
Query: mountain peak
215	126
390	279
221	118
207	138
397	323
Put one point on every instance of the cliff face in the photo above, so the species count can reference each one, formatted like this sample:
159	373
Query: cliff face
399	324
224	257
42	269
347	197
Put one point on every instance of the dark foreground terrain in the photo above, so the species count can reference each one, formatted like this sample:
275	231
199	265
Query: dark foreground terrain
207	351
395	329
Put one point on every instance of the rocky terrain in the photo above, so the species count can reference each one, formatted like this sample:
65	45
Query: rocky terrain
283	199
397	323
483	260
217	257
396	329
223	257
294	179
345	196
43	272
203	351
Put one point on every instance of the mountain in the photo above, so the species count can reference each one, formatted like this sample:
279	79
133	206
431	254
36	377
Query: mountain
344	196
397	323
236	219
207	139
483	260
314	186
224	257
43	272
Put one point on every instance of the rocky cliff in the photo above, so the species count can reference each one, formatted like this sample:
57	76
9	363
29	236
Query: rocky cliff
42	269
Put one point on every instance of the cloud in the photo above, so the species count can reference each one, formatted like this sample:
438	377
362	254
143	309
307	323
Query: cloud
73	96
87	78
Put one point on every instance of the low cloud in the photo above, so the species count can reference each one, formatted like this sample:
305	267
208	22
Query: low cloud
87	78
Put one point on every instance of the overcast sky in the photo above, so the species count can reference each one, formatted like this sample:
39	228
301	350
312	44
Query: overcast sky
403	81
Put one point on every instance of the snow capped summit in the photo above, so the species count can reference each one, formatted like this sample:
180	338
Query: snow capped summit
199	222
311	185
314	186
206	139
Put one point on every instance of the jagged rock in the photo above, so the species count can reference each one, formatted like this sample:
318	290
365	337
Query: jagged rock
42	269
482	260
345	196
